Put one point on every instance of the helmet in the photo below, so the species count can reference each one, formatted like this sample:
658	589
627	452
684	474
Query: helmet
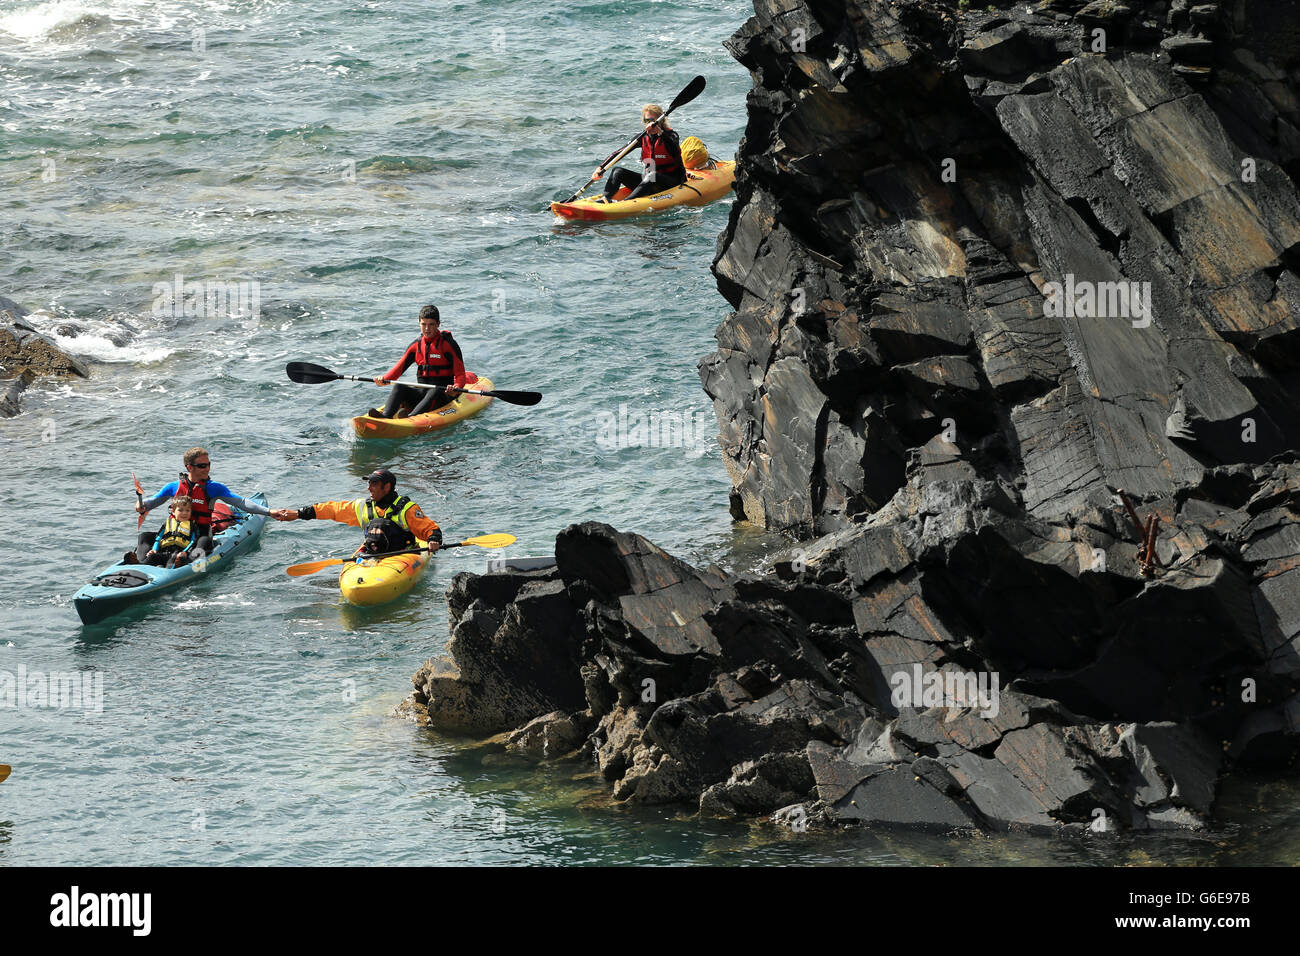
694	153
384	535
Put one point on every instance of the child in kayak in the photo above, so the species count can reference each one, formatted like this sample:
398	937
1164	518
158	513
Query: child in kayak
661	159
173	547
437	361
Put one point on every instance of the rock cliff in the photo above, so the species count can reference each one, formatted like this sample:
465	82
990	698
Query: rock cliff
1015	355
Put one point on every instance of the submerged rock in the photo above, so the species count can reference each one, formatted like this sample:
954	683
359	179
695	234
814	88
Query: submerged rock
26	355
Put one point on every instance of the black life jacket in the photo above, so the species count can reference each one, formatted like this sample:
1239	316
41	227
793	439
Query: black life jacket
384	536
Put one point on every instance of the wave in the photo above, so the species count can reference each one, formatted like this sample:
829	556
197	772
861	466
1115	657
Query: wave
54	20
110	339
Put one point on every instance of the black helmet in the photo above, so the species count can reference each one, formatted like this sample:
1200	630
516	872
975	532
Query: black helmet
384	535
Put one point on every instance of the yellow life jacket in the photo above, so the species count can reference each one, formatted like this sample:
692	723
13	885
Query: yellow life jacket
368	512
177	535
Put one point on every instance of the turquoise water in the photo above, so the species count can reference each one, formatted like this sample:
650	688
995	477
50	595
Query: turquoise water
355	160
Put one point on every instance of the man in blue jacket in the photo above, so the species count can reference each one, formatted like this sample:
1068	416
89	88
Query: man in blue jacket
203	493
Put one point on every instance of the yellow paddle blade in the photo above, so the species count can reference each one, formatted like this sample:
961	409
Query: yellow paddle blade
311	567
491	540
4	772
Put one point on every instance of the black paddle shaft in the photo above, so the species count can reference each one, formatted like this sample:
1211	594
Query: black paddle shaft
305	373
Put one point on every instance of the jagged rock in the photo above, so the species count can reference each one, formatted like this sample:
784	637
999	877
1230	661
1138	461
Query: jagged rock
551	735
26	355
504	666
982	276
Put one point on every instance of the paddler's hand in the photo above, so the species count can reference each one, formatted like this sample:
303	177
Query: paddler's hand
600	171
285	514
380	382
140	509
451	391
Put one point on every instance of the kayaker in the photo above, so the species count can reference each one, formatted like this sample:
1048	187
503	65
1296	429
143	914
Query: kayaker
437	361
383	502
661	157
172	547
203	493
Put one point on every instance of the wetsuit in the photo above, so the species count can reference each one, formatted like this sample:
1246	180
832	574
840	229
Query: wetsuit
215	491
661	157
437	362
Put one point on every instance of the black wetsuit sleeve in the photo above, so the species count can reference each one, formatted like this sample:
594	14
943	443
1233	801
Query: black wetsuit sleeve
675	146
307	513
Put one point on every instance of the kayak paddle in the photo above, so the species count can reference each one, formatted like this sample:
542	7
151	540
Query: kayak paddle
139	498
305	373
688	93
4	772
483	541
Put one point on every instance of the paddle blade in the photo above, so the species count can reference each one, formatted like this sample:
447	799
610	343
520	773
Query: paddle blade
4	772
491	540
311	567
516	398
692	90
305	373
139	497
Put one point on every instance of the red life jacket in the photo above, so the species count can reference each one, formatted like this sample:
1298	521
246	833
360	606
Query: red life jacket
198	493
435	359
654	148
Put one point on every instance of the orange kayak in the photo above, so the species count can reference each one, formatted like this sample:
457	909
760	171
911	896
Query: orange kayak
702	186
464	406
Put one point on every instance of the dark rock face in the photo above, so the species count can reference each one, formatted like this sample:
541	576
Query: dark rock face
26	355
984	226
986	269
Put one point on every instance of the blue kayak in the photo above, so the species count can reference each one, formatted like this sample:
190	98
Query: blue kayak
121	585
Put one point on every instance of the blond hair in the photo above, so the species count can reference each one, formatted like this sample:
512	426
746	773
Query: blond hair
658	111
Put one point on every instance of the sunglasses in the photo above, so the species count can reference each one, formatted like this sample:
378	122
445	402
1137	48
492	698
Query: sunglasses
203	464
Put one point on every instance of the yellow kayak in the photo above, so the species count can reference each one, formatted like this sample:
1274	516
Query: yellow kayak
464	406
370	582
701	186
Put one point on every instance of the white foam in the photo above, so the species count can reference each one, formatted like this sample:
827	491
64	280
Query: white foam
37	22
101	349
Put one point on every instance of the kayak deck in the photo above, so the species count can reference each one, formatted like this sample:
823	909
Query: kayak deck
122	585
462	407
702	186
367	583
